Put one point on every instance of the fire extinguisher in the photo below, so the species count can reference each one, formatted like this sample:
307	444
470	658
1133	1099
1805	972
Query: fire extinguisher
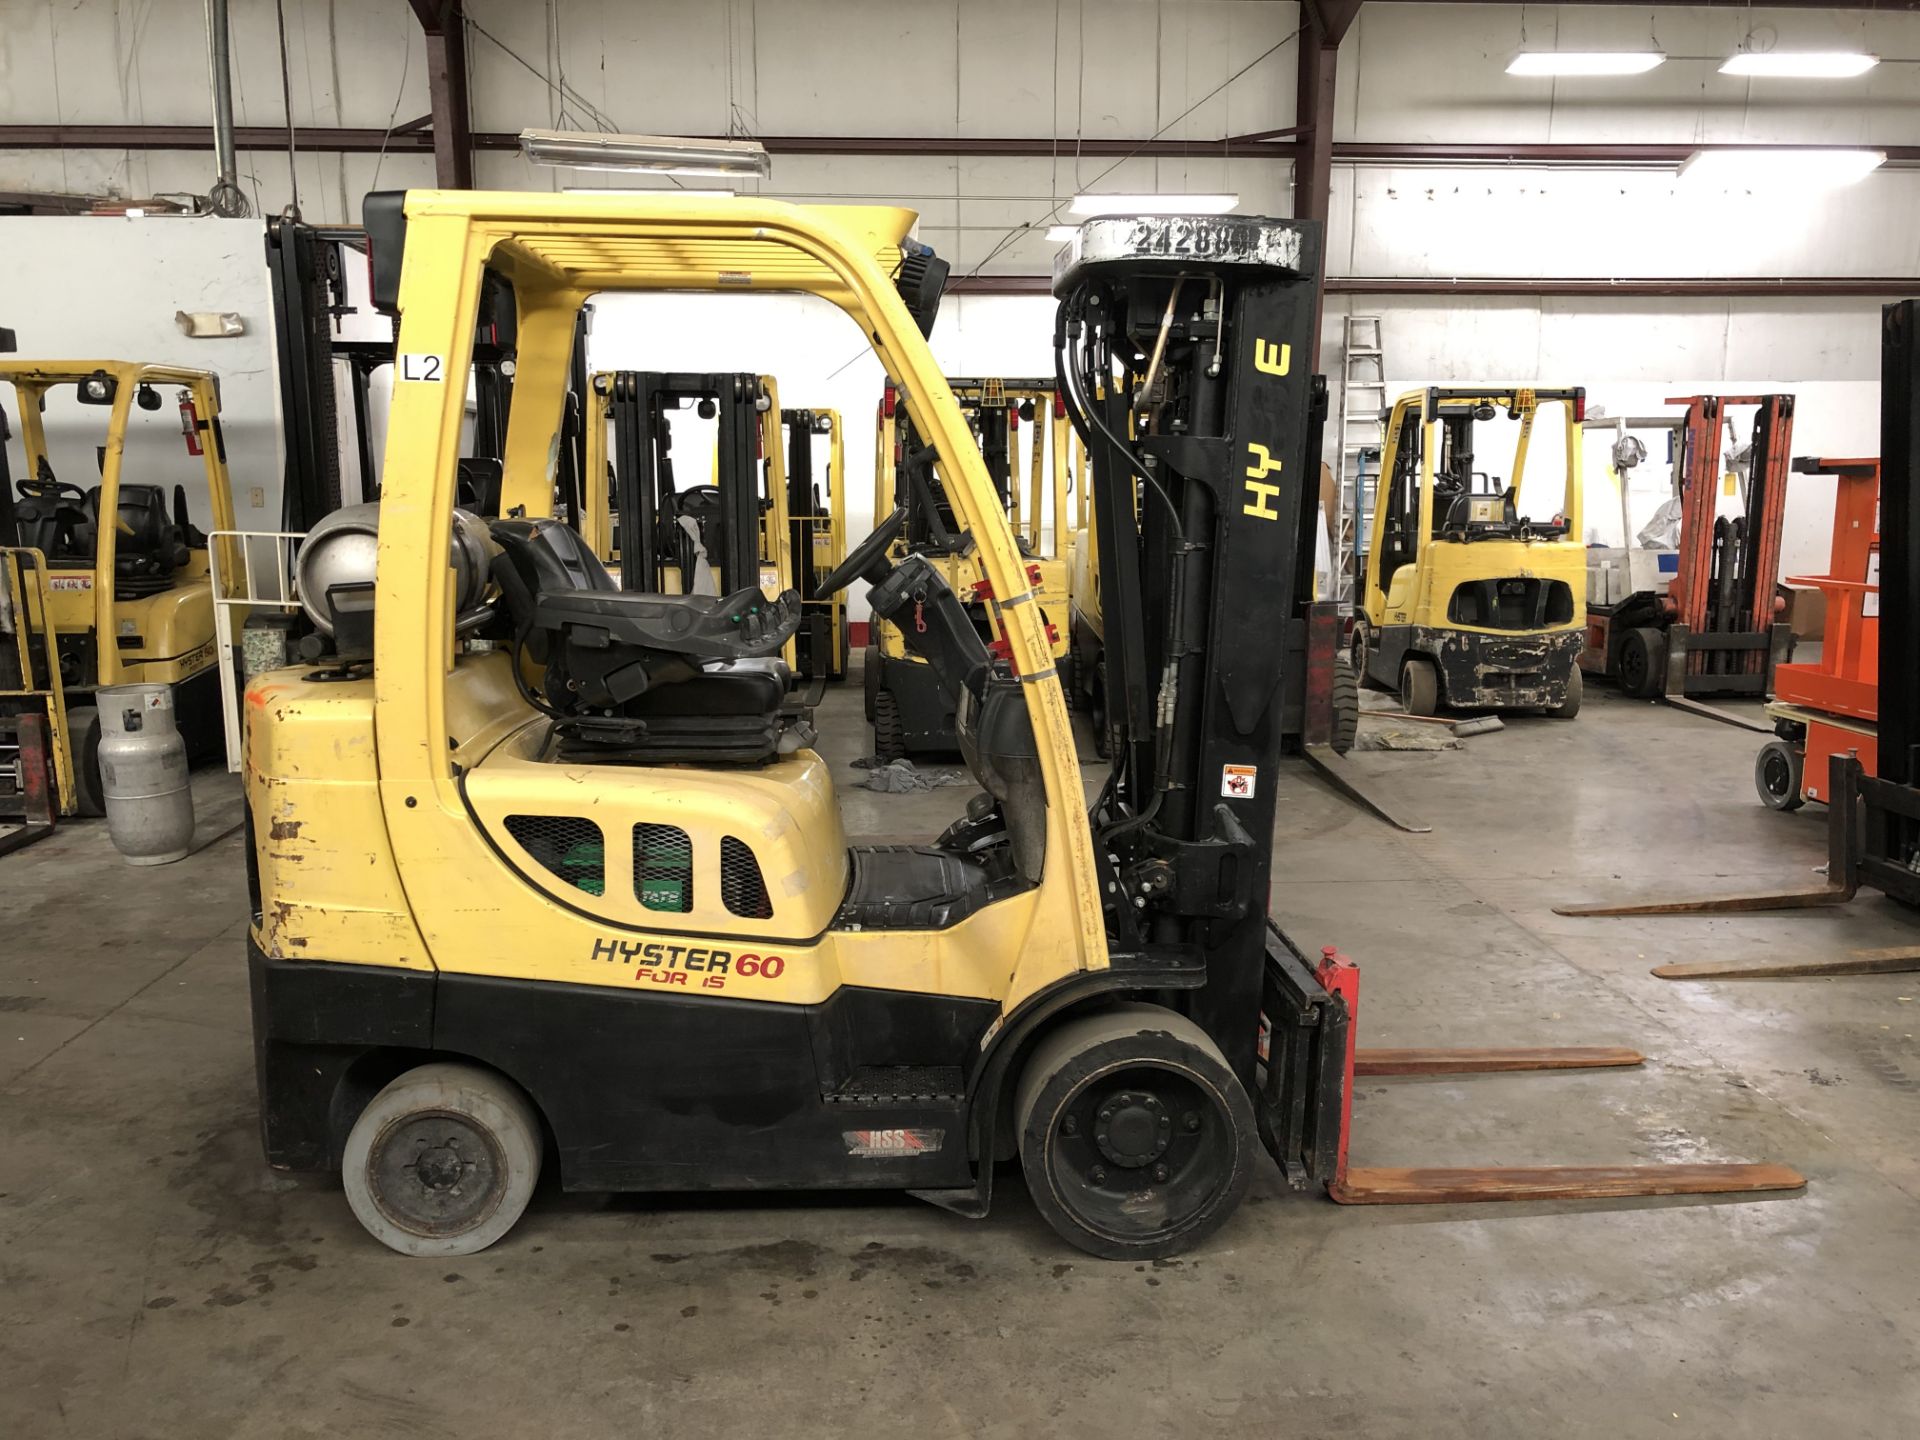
189	423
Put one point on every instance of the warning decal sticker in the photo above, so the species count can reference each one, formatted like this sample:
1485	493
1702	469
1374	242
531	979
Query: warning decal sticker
1237	781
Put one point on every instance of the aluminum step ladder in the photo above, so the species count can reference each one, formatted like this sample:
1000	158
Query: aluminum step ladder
1363	402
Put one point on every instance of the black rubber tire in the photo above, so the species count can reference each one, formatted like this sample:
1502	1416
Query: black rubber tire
1346	705
479	1130
83	743
1357	651
1570	707
1643	663
1136	1138
870	677
1778	776
888	743
1419	686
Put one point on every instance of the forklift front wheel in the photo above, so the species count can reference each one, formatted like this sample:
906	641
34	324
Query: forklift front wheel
870	678
83	746
889	741
1643	663
1346	705
1419	686
1136	1139
443	1161
1777	771
1569	707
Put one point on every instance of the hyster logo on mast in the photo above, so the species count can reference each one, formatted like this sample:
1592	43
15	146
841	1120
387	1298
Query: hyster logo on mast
1263	493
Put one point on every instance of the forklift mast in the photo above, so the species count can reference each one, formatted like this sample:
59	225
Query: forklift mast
649	504
1183	348
308	267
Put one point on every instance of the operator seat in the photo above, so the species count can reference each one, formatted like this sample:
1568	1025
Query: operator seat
149	546
647	679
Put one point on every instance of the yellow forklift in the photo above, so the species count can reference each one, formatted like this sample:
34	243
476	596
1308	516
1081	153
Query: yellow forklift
102	584
502	924
1466	602
817	515
909	712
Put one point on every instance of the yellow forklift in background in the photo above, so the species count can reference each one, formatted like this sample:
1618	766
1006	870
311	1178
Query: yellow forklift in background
817	515
1466	603
102	584
752	515
906	707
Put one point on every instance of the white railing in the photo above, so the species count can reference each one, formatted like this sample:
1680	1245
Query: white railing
265	582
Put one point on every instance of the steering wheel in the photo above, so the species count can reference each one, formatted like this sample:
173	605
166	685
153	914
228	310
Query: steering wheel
34	489
868	559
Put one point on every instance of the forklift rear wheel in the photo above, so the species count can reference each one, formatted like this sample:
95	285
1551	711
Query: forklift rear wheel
888	744
1569	707
1419	686
1136	1139
443	1161
1643	663
1346	705
1777	772
83	744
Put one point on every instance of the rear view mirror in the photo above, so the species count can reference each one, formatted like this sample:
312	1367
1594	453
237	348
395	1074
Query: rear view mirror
147	398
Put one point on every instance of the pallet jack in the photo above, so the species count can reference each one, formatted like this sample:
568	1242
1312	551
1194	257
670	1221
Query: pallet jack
1873	819
664	968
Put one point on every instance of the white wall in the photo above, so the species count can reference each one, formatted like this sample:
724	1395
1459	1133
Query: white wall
107	289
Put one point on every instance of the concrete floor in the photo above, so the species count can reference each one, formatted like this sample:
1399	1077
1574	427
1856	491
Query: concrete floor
156	1279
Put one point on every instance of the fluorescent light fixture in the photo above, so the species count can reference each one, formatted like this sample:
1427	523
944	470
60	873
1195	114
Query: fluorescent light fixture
666	154
1061	234
635	190
1584	62
1153	204
1811	167
1800	64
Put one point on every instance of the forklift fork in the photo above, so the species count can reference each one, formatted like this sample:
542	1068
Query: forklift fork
1843	867
1312	1134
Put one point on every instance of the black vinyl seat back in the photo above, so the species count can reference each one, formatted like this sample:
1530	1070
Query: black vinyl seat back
478	485
59	528
148	547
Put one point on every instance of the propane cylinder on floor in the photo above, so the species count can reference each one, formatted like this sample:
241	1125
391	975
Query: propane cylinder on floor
143	774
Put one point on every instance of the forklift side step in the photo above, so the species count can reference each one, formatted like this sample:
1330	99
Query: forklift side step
1487	1062
1900	960
1723	904
1443	1186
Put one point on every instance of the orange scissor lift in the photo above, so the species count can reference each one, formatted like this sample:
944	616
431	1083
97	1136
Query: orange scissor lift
1831	706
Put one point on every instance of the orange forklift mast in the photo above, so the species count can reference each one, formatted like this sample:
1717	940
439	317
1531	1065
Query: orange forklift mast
1725	634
